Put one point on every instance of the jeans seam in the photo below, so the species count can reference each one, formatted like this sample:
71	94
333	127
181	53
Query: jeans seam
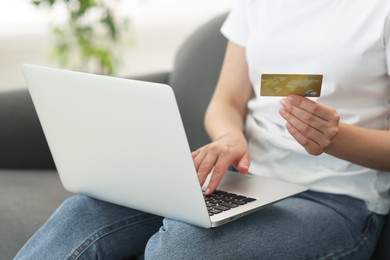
360	243
347	251
82	248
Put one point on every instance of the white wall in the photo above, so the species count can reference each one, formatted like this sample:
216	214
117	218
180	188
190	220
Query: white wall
160	26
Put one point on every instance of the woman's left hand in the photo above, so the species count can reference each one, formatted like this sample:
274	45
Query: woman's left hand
312	125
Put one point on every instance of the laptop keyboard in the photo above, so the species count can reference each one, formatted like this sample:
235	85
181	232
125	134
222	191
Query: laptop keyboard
220	201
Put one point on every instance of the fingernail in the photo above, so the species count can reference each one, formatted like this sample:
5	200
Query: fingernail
244	173
291	98
207	192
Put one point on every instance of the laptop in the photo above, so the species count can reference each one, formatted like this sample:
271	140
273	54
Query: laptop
123	141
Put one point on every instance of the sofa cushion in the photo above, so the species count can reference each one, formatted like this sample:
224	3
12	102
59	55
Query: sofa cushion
28	198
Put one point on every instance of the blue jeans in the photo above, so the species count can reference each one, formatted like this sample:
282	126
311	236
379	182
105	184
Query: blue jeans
310	225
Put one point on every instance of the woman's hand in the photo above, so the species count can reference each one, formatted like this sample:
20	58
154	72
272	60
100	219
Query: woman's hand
229	149
313	125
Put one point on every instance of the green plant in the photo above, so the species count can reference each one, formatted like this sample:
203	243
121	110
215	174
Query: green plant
91	38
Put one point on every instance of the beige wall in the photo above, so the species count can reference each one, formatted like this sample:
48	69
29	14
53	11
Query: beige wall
160	26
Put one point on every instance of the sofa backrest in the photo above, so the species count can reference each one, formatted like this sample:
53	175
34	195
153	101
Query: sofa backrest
195	74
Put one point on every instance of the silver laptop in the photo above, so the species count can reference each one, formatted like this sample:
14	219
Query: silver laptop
123	141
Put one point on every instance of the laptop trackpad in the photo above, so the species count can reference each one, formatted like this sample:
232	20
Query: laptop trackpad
258	187
241	184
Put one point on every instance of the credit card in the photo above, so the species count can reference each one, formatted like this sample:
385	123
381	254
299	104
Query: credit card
307	85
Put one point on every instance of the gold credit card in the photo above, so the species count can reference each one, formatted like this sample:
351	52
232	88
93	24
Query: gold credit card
307	85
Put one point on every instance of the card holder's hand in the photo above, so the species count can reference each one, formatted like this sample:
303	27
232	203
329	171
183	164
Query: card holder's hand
218	156
313	125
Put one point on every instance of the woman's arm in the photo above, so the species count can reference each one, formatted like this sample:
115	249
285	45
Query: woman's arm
224	121
316	127
367	147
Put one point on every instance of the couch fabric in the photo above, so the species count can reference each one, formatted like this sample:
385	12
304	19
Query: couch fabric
29	186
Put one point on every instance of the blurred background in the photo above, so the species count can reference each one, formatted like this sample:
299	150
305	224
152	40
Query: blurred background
147	34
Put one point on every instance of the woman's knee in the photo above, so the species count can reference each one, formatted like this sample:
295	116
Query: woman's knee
75	202
176	240
74	205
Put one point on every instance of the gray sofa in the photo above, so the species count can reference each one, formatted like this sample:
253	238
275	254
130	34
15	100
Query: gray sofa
29	185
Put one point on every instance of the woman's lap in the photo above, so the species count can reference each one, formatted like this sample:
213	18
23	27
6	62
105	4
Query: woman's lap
309	226
85	228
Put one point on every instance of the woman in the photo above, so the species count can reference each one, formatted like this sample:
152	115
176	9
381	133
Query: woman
338	145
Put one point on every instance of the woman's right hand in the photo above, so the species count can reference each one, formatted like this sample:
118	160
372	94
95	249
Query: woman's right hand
215	158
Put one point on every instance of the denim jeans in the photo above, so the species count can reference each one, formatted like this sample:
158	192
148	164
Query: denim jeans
310	225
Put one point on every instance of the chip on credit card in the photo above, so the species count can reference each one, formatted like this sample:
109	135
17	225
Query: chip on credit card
307	85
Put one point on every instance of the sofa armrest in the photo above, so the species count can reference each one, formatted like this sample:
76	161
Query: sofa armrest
22	143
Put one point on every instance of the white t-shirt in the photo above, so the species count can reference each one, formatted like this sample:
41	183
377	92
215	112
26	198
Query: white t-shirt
345	40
